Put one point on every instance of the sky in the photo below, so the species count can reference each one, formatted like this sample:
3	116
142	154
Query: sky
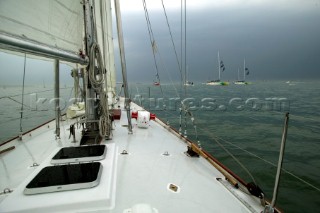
279	39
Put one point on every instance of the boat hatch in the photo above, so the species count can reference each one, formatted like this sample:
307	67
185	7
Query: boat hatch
80	154
65	177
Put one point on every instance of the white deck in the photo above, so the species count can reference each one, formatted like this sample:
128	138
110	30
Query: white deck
141	178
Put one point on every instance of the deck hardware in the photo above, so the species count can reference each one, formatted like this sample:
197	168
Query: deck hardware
191	153
173	187
255	190
166	153
34	165
124	152
6	191
73	133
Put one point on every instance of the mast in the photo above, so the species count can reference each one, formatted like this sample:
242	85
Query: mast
89	34
57	96
123	63
244	69
219	65
238	74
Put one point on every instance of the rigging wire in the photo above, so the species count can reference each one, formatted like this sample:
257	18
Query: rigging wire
22	98
216	138
154	46
211	134
185	45
152	42
30	93
183	107
172	41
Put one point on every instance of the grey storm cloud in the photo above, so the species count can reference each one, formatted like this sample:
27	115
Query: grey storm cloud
278	39
277	42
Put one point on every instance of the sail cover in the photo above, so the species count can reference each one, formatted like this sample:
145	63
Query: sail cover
56	23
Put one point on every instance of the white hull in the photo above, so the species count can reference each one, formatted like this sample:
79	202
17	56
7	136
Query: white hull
140	180
188	84
217	83
240	83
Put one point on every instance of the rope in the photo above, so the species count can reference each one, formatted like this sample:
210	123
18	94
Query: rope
95	52
104	121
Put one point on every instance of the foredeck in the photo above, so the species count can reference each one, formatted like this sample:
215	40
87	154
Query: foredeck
147	171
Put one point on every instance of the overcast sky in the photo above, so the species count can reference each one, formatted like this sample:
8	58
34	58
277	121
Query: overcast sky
280	39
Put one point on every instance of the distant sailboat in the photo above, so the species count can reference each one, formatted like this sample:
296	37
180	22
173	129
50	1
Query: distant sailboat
157	81
218	82
188	83
245	72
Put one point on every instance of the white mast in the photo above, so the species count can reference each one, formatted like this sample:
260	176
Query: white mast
123	63
238	74
244	69
219	64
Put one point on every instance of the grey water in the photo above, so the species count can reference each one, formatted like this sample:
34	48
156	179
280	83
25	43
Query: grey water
246	120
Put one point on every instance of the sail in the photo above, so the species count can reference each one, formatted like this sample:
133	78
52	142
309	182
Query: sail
54	23
103	22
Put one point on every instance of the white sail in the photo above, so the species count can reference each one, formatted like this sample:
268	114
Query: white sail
103	21
54	23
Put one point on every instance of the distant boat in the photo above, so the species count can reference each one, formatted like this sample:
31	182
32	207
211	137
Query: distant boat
188	83
218	82
156	81
245	72
290	83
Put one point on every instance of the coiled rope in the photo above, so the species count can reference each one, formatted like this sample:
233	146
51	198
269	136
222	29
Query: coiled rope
95	54
96	77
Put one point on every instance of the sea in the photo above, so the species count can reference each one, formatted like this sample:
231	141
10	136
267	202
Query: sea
240	125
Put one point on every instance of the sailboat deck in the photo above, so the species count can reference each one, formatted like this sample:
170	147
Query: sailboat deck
147	171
